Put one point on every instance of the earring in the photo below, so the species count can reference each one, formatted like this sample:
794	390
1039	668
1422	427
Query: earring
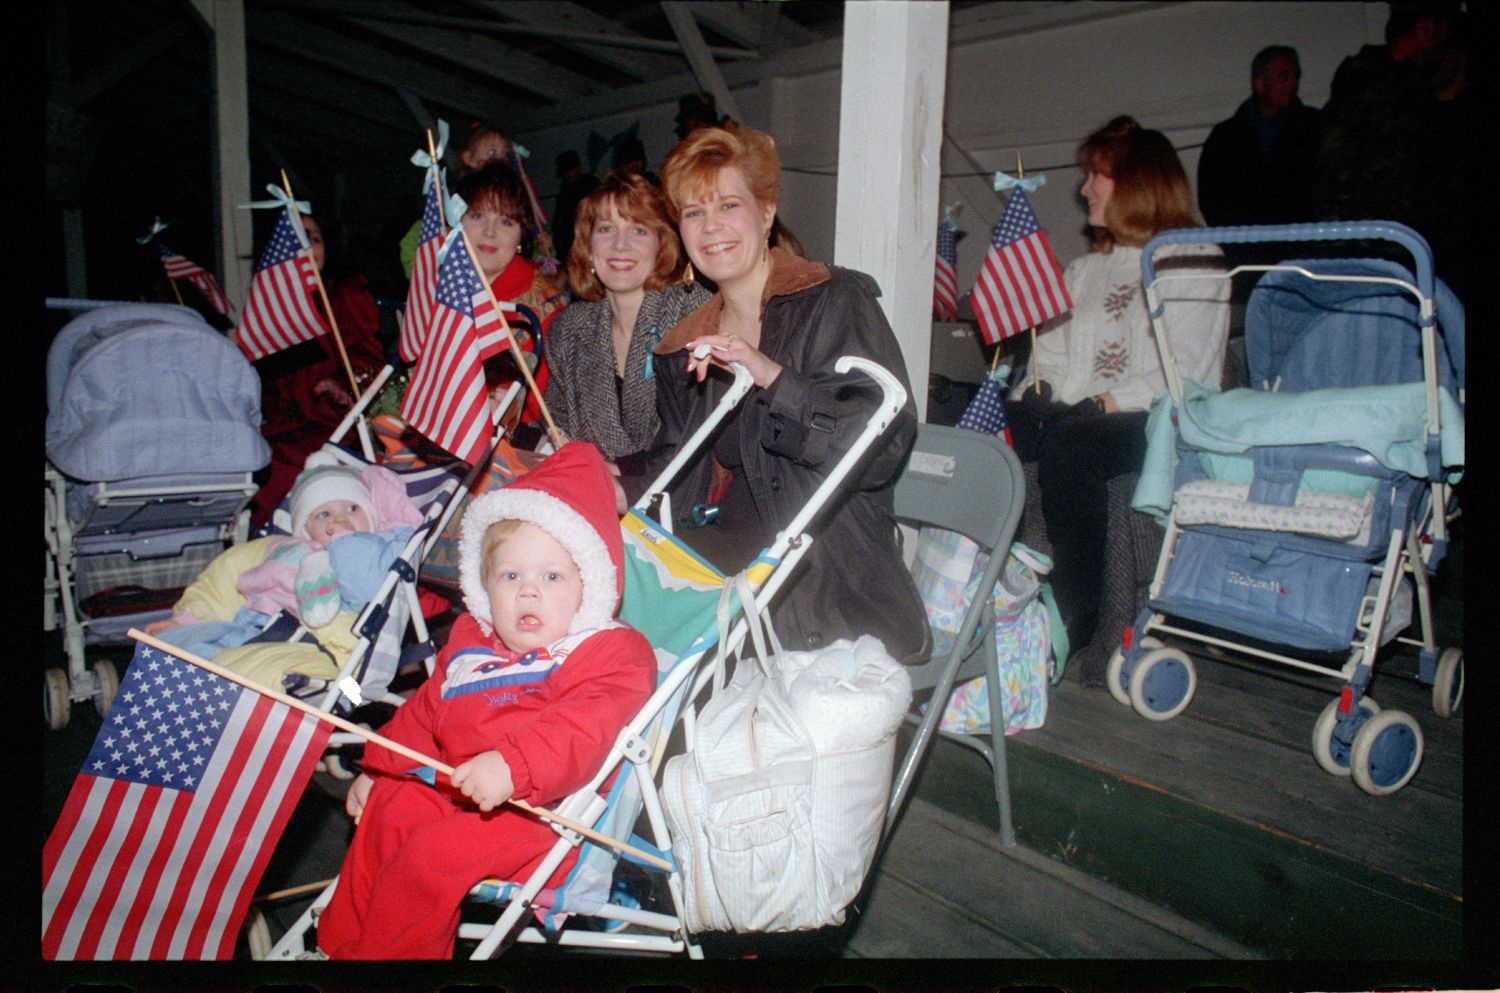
765	247
687	274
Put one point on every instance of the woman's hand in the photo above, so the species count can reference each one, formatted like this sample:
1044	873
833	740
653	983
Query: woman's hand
722	349
358	795
484	779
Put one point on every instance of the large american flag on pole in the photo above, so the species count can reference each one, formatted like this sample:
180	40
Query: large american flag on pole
945	274
1020	284
446	400
423	287
169	825
279	310
180	267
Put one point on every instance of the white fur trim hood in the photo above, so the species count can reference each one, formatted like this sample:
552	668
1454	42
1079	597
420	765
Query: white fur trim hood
579	529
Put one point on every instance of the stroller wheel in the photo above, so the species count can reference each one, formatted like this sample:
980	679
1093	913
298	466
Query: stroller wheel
1331	753
257	935
108	685
1117	676
1162	683
1448	684
55	703
1386	752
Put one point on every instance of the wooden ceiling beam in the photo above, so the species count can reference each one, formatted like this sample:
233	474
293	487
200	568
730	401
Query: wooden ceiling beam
595	35
378	65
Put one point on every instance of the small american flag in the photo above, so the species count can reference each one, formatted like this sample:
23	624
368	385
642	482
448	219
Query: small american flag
169	825
423	286
986	412
945	274
180	267
446	400
1020	284
279	310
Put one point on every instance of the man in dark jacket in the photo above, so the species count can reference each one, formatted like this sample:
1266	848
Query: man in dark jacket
1257	166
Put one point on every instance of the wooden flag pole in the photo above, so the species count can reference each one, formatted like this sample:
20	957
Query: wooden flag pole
338	339
384	742
1037	384
515	349
437	181
175	291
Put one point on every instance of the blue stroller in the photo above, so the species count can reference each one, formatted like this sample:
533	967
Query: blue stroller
1306	513
153	433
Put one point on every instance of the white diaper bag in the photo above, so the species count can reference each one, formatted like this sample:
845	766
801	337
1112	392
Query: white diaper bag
776	807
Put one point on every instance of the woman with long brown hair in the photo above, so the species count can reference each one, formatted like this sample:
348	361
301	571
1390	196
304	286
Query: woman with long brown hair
1080	411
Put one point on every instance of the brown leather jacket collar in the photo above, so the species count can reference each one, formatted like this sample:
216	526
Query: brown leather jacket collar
789	274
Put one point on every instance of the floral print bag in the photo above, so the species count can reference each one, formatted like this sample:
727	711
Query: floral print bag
947	568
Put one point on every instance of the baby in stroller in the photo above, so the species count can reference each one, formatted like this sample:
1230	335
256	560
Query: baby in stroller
248	608
536	681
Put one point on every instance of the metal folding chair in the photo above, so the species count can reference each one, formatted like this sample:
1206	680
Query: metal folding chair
970	482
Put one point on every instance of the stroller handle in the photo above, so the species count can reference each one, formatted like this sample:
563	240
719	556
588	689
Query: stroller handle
1325	231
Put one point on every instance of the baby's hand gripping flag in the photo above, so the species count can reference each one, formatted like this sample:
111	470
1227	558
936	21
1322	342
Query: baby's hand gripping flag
1020	284
173	817
279	310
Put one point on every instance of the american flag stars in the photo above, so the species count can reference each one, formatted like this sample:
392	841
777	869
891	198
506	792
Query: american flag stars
166	723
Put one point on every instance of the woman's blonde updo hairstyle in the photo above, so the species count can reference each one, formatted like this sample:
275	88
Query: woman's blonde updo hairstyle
693	167
1151	191
637	200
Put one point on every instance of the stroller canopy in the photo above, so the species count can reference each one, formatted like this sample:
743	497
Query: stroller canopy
138	390
1314	334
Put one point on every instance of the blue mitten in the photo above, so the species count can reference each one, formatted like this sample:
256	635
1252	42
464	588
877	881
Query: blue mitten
316	589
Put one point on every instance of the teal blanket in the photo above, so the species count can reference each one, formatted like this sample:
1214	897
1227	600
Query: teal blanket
1388	422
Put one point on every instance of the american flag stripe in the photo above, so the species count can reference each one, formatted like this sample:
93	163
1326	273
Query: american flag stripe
224	807
1020	284
180	267
446	400
143	871
279	309
945	277
420	293
66	892
415	328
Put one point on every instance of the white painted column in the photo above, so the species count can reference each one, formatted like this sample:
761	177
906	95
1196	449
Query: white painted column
890	126
226	19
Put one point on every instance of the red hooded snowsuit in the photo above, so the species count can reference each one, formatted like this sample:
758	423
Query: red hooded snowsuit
552	715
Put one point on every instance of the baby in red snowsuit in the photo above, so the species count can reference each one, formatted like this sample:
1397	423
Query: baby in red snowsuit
534	685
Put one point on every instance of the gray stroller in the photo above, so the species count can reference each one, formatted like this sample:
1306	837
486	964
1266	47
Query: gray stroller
153	433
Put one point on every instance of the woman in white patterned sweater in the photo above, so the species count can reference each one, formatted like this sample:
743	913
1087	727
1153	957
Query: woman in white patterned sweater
1080	410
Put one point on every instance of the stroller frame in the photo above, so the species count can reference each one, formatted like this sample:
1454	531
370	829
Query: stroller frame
641	745
1381	750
